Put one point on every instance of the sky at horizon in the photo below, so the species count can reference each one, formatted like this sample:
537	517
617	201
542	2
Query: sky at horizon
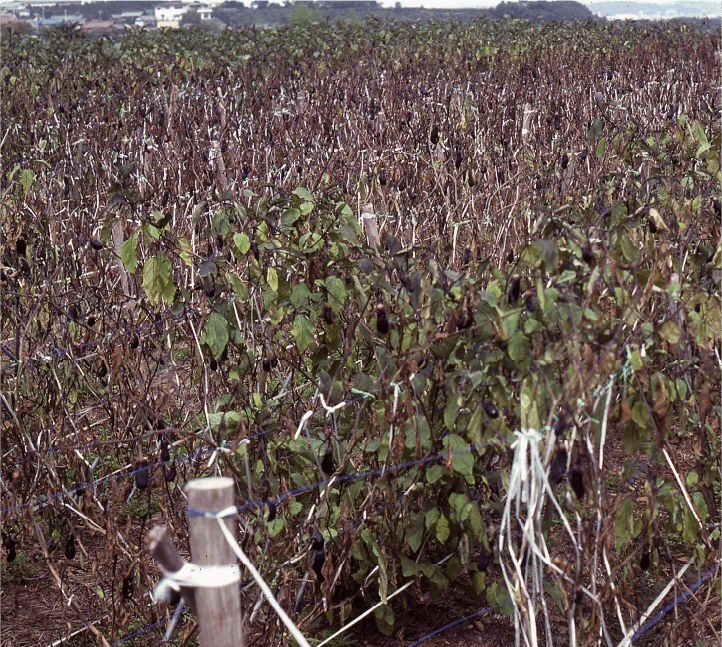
610	8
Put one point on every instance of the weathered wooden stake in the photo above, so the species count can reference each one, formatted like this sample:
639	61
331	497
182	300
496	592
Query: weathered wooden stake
218	609
371	227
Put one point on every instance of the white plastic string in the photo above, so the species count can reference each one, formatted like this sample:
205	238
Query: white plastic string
391	429
261	583
306	416
603	433
627	641
528	483
174	619
192	575
334	408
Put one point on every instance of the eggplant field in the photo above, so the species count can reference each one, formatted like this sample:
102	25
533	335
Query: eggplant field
441	299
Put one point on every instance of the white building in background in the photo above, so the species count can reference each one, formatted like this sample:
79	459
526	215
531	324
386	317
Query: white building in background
65	19
126	16
38	6
7	18
170	14
20	9
212	4
145	20
12	6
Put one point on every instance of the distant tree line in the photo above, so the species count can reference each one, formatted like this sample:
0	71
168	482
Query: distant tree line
547	11
265	12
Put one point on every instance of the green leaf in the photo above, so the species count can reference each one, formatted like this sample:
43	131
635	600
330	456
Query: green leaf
415	532
237	286
12	173
272	279
681	389
553	590
463	462
629	249
230	419
336	288
435	472
275	527
453	404
27	177
409	568
636	360
442	529
596	129
242	243
158	279
712	161
474	428
697	130
184	246
453	568
215	334
506	323
528	403
304	194
701	505
444	349
640	414
311	242
475	521
498	597
107	230
427	568
437	583
198	211
299	296
383	576
302	332
519	348
350	233
624	523
206	268
461	506
669	331
631	438
548	253
690	527
161	221
363	382
478	581
385	619
599	153
129	253
432	516
289	216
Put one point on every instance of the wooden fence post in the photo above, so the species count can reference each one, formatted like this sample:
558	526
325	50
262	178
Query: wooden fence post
371	228
218	609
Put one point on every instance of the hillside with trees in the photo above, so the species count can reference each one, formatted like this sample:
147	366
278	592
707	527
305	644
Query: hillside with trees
263	12
547	11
